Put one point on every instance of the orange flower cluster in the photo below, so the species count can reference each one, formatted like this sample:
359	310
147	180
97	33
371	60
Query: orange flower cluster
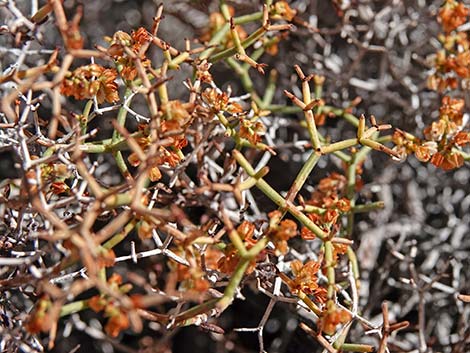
220	101
118	319
452	14
229	261
306	280
89	81
176	118
251	128
192	278
332	317
329	195
281	232
163	156
39	319
442	138
453	61
55	174
282	11
133	42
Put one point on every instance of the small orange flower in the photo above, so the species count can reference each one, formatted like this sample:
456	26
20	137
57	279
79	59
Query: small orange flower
282	11
447	160
73	38
202	72
306	233
220	101
117	323
282	232
246	230
134	42
144	230
452	14
39	318
452	109
97	303
425	151
59	187
91	81
462	138
106	258
332	317
306	279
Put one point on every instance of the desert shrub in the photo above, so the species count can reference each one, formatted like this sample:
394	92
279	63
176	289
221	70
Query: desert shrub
157	185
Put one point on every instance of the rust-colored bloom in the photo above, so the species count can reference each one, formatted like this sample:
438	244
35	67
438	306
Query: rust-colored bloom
144	230
134	42
452	14
92	80
462	138
246	230
282	11
426	150
106	258
97	303
202	72
118	322
59	187
252	130
332	317
452	109
447	160
281	232
219	101
442	137
192	278
306	278
39	318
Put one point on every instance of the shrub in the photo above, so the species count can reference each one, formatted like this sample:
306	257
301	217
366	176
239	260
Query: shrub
148	201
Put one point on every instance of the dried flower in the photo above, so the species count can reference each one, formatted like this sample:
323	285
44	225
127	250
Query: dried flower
92	80
452	14
116	323
332	317
39	319
220	101
281	232
251	130
282	11
306	279
134	42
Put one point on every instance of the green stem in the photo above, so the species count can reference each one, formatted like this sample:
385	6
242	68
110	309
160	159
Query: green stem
86	114
184	318
356	347
302	176
270	90
368	207
73	307
256	35
278	199
121	121
120	236
222	32
330	269
337	146
239	272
